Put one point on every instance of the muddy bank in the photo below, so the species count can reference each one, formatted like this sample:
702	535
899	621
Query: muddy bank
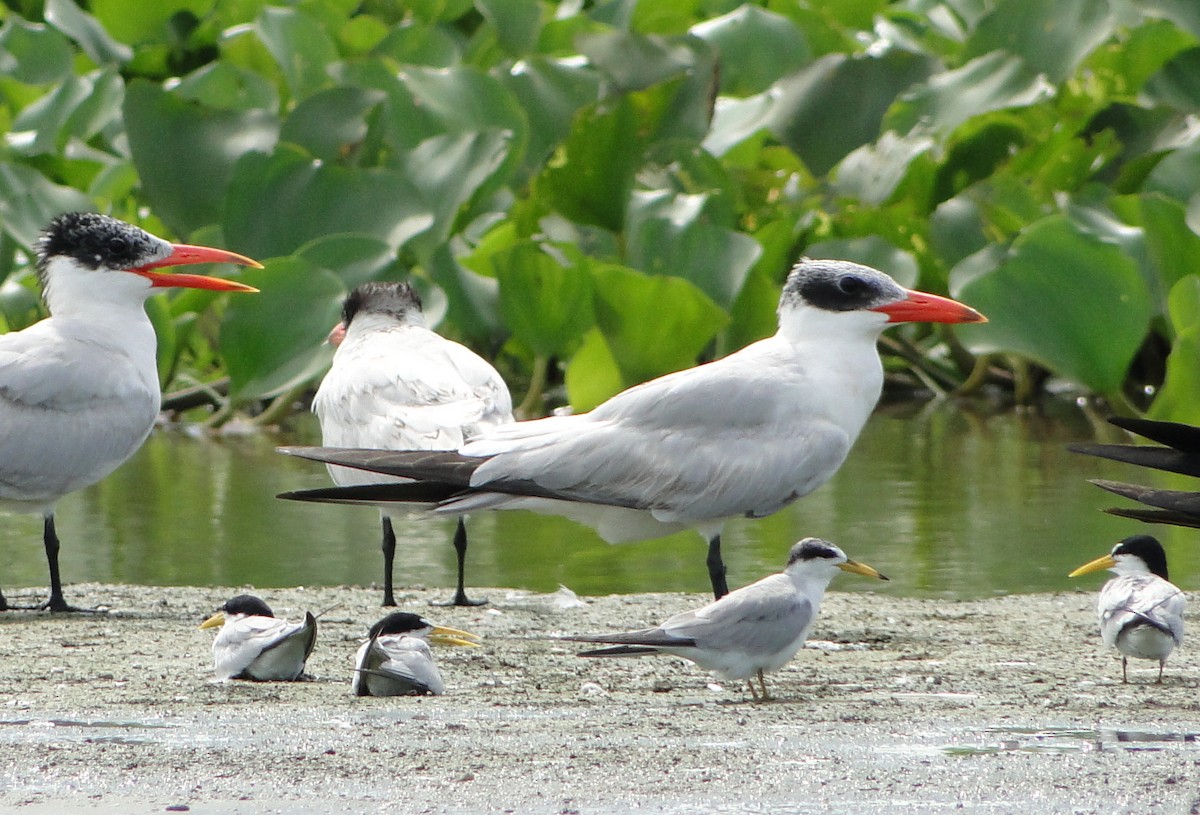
900	706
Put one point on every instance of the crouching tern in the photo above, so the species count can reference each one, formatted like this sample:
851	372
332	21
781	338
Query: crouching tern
254	644
1140	610
397	661
743	436
748	632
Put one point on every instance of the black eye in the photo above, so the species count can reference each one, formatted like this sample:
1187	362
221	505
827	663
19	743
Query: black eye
117	245
849	284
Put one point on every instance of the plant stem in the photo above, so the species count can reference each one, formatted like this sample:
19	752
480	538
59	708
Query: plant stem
537	384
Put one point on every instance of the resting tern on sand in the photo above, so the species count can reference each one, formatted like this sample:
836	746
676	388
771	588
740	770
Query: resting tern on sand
742	436
254	644
750	631
79	390
1140	610
396	660
396	385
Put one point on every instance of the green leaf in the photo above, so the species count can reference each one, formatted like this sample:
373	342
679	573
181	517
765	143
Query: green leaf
676	235
636	61
1178	82
33	54
1176	400
592	374
301	47
185	153
274	340
279	202
87	31
331	123
449	169
755	47
353	258
874	171
653	325
991	82
517	23
28	200
1052	38
547	306
811	115
136	21
225	86
1060	296
79	108
551	93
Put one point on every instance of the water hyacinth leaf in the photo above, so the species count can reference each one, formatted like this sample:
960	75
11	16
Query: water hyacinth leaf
300	46
676	235
331	123
1176	400
872	251
1052	38
449	169
414	42
735	121
551	93
592	374
812	118
991	82
1178	173
136	21
281	201
28	200
1178	82
473	299
546	305
457	100
33	54
591	179
1062	297
87	31
653	325
635	61
225	86
872	172
755	47
517	23
163	129
354	258
273	340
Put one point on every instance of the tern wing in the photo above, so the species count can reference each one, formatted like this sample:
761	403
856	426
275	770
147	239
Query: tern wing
764	617
1141	599
396	666
96	406
242	641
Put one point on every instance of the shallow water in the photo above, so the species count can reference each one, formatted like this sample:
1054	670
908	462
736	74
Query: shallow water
947	502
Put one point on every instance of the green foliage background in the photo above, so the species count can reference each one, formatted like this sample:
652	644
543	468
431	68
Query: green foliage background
598	193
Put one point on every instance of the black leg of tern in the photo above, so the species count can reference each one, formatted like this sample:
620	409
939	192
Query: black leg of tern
716	568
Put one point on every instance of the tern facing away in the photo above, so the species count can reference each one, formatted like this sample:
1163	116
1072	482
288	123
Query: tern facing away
396	660
1140	610
396	385
254	644
79	390
742	436
748	632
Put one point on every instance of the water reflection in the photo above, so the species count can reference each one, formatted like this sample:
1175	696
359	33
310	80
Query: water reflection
946	502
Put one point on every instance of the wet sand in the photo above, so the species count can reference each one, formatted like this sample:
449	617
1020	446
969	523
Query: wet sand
898	706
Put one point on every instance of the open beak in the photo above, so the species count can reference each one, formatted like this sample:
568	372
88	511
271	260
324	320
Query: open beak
854	567
920	307
1103	562
452	636
214	621
183	255
336	335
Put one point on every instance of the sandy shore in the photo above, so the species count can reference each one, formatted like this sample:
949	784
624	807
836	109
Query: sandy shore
898	706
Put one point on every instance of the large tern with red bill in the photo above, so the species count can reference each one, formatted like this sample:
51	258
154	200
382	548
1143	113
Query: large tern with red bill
79	390
743	436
